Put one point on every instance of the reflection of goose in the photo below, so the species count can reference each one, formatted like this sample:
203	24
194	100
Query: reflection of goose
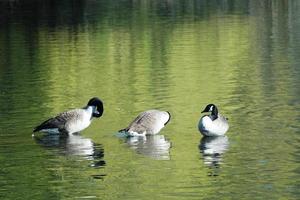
74	145
148	123
214	124
73	120
154	146
212	149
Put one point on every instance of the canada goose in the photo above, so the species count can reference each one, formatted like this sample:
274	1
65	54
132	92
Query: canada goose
148	123
214	124
73	120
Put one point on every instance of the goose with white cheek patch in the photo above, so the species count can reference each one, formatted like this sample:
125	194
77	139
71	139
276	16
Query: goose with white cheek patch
148	123
73	121
214	124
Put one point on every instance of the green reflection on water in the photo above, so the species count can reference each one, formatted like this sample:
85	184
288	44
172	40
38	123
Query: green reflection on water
172	55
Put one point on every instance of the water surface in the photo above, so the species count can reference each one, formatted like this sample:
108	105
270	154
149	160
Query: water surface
138	55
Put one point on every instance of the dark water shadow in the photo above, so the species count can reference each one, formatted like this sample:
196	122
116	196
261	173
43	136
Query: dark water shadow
73	145
153	146
212	150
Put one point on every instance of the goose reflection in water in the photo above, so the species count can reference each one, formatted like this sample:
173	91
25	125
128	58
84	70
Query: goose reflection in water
154	146
74	145
212	149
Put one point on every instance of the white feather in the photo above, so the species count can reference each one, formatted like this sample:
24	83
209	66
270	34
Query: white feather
134	134
82	122
217	127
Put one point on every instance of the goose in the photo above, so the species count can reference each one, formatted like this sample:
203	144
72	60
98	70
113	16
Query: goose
214	124
73	121
149	122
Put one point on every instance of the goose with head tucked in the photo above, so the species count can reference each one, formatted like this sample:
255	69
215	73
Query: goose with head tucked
73	121
148	123
214	124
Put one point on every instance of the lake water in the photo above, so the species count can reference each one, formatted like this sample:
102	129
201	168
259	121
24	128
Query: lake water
244	56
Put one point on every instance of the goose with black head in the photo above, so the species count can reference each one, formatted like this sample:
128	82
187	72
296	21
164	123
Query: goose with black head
214	124
73	121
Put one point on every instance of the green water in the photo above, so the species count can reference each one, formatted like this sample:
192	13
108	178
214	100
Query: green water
176	55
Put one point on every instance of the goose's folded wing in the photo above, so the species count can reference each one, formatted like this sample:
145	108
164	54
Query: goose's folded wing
140	123
223	118
57	122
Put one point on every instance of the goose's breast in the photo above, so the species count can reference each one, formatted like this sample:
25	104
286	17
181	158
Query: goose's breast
80	120
221	125
205	124
210	128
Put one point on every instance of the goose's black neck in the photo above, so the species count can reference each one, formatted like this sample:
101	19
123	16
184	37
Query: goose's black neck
214	113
